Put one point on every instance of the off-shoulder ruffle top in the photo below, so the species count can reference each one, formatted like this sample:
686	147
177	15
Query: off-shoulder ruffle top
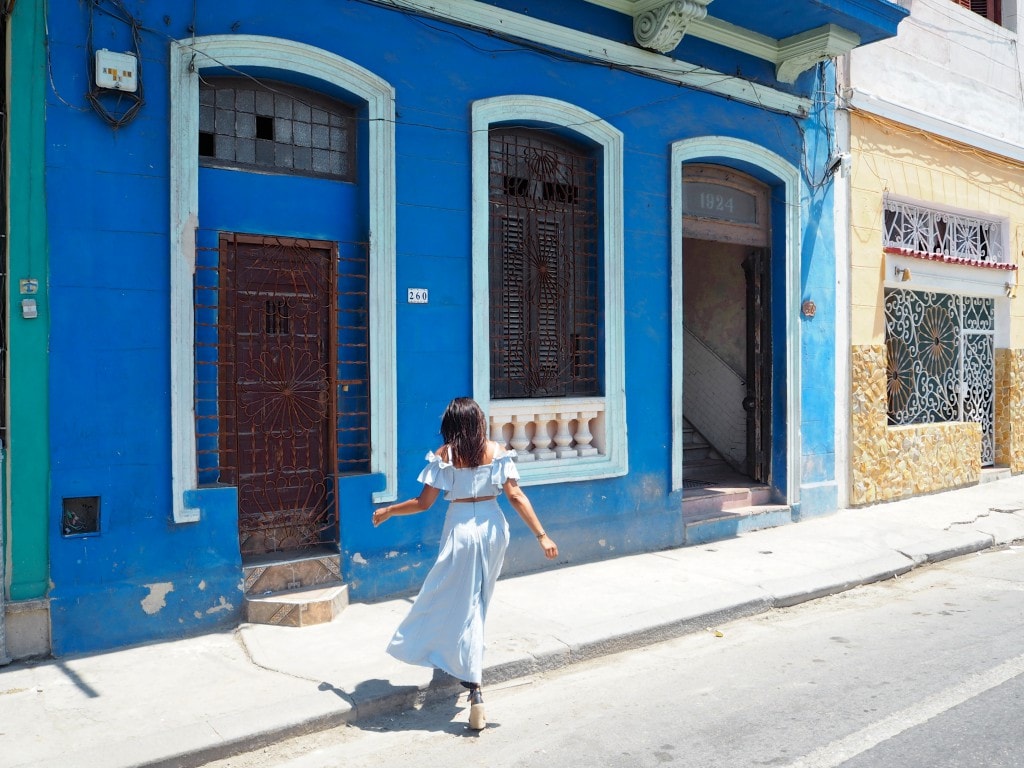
469	482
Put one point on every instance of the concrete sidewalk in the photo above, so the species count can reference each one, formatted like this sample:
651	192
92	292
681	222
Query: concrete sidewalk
187	702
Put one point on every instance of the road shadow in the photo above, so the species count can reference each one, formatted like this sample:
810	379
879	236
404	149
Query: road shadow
381	707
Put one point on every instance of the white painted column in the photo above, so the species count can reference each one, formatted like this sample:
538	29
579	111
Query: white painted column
843	332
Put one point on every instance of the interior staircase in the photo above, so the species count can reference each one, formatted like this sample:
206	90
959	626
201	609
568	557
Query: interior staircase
294	590
720	502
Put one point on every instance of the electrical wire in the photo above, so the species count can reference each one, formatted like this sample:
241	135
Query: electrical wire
116	114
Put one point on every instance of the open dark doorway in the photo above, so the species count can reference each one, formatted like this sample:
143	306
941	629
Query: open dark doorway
727	350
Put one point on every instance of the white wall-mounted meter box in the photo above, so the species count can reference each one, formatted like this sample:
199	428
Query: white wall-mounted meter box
118	71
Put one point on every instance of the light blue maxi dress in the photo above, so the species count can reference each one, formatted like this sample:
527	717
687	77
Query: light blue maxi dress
445	626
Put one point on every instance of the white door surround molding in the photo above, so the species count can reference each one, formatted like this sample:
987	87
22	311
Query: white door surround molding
720	150
240	52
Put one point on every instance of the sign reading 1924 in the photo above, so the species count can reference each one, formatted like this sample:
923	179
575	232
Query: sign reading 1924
705	200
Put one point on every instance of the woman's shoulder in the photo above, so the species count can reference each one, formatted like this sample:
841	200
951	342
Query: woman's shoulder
492	451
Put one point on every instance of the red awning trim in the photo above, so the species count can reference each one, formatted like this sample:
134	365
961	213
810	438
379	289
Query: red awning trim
951	259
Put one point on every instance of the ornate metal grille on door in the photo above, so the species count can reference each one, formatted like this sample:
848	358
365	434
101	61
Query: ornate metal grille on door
282	387
940	352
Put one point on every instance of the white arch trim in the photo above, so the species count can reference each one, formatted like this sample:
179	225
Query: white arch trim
188	58
555	113
717	149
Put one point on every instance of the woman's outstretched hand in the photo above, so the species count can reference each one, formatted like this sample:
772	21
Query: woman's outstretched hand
549	547
380	515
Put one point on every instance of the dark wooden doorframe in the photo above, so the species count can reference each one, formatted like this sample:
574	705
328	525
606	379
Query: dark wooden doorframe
277	392
758	402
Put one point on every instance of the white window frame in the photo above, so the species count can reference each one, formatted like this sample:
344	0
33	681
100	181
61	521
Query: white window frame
538	110
188	58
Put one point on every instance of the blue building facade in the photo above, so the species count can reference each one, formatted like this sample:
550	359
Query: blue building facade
273	264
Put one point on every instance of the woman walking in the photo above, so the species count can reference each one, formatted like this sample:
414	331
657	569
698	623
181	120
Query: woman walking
445	626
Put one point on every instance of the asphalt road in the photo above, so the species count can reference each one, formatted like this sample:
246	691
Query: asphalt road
925	670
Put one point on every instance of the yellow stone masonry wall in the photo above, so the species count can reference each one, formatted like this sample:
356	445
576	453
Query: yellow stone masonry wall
1010	409
888	463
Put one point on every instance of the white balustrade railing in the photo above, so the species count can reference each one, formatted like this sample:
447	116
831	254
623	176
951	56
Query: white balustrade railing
554	428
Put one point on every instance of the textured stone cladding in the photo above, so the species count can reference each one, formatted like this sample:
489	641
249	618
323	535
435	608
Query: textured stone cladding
1010	409
888	463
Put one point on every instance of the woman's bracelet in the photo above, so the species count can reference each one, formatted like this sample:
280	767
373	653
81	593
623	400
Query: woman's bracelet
541	535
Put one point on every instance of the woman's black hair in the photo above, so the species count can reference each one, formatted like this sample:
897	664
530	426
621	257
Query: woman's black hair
463	428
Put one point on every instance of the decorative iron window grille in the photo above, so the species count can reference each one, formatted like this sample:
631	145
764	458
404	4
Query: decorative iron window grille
917	228
282	389
544	270
274	126
940	361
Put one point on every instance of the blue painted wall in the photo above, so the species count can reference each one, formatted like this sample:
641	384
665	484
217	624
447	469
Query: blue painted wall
142	577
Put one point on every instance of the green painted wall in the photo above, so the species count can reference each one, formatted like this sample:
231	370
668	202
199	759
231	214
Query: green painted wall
27	453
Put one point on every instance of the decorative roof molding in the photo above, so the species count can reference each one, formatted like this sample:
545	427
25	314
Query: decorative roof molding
638	60
799	53
662	28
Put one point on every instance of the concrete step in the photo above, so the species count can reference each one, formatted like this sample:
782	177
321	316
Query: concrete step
716	498
277	572
701	528
991	474
298	607
695	454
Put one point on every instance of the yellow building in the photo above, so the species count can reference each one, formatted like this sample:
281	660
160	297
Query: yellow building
936	331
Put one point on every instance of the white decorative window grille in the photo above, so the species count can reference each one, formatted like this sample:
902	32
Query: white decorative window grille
925	230
940	352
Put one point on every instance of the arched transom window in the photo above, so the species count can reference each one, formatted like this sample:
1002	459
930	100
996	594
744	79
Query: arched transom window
272	126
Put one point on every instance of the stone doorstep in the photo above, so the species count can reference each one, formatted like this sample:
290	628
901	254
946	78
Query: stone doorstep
991	474
298	607
699	501
711	525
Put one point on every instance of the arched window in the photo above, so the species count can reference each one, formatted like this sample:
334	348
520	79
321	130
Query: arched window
275	126
544	274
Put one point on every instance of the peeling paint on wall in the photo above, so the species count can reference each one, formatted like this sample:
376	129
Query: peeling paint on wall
358	559
154	602
223	605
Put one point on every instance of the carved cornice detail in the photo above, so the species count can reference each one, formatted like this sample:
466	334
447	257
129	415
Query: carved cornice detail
662	28
801	52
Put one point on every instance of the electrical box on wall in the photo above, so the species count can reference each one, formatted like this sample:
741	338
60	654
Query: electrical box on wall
118	71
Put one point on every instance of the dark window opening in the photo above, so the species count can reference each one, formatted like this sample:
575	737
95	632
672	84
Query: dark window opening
207	144
516	187
560	193
276	313
544	269
264	127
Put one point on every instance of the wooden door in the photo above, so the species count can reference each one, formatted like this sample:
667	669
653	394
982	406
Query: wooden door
279	390
758	401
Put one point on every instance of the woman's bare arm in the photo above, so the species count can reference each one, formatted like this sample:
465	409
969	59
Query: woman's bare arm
517	498
421	503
